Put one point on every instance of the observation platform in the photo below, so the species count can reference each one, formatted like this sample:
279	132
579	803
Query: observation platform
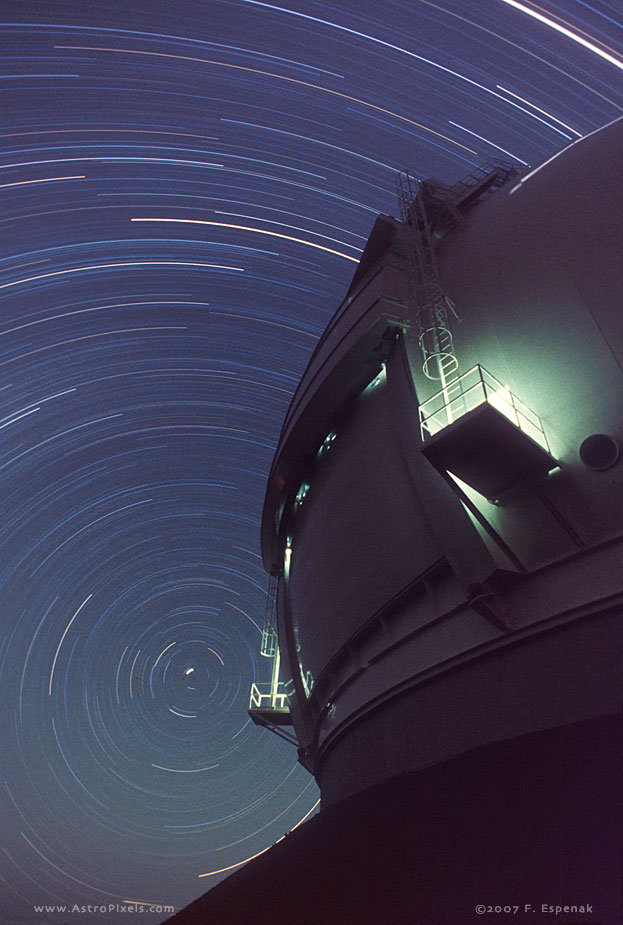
477	430
268	705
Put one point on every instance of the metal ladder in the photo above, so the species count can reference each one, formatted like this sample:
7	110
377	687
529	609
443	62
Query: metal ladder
269	630
428	300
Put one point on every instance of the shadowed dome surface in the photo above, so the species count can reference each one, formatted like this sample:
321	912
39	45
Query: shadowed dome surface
428	848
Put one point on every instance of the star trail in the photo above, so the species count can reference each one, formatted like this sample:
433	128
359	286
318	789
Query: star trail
186	189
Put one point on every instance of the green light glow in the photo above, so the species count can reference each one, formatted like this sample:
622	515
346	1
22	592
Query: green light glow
378	380
326	443
464	394
300	495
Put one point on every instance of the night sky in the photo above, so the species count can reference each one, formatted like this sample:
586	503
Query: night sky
186	188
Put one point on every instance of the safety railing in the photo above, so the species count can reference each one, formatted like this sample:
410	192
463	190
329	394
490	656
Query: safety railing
467	392
268	697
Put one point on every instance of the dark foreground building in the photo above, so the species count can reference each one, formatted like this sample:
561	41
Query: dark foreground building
444	530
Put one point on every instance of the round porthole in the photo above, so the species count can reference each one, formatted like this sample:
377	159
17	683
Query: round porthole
599	451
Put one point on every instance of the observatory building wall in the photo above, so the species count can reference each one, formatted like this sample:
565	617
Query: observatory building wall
361	526
451	578
536	273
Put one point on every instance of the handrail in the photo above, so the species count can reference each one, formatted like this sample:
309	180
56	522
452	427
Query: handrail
266	696
465	393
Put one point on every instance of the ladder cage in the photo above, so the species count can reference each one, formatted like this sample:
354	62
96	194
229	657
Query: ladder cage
426	294
269	630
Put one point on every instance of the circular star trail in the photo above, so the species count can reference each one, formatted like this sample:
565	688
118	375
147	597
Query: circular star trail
186	189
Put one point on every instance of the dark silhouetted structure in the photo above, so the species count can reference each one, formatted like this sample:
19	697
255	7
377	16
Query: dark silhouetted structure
444	527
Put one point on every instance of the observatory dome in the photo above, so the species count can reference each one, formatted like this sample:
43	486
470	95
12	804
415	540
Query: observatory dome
443	528
448	550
